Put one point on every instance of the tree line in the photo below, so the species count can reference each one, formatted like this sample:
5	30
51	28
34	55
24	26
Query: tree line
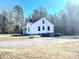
66	21
12	20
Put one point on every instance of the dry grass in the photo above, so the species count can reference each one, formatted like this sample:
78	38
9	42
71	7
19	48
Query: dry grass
4	37
53	51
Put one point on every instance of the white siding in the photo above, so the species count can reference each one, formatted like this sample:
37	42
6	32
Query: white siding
34	27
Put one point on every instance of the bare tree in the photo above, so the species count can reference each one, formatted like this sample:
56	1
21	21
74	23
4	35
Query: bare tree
39	13
19	18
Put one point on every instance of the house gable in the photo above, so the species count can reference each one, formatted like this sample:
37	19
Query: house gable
43	21
41	26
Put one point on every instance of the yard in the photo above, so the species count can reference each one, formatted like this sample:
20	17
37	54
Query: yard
40	48
50	51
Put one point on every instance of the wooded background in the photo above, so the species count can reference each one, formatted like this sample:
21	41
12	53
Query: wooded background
66	21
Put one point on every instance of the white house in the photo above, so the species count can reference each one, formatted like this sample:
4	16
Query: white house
39	27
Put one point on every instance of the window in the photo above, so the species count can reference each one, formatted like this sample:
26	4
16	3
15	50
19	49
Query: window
38	28
28	29
25	28
48	28
43	28
43	21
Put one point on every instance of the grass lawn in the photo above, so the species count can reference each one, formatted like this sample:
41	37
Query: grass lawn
53	51
68	50
4	37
